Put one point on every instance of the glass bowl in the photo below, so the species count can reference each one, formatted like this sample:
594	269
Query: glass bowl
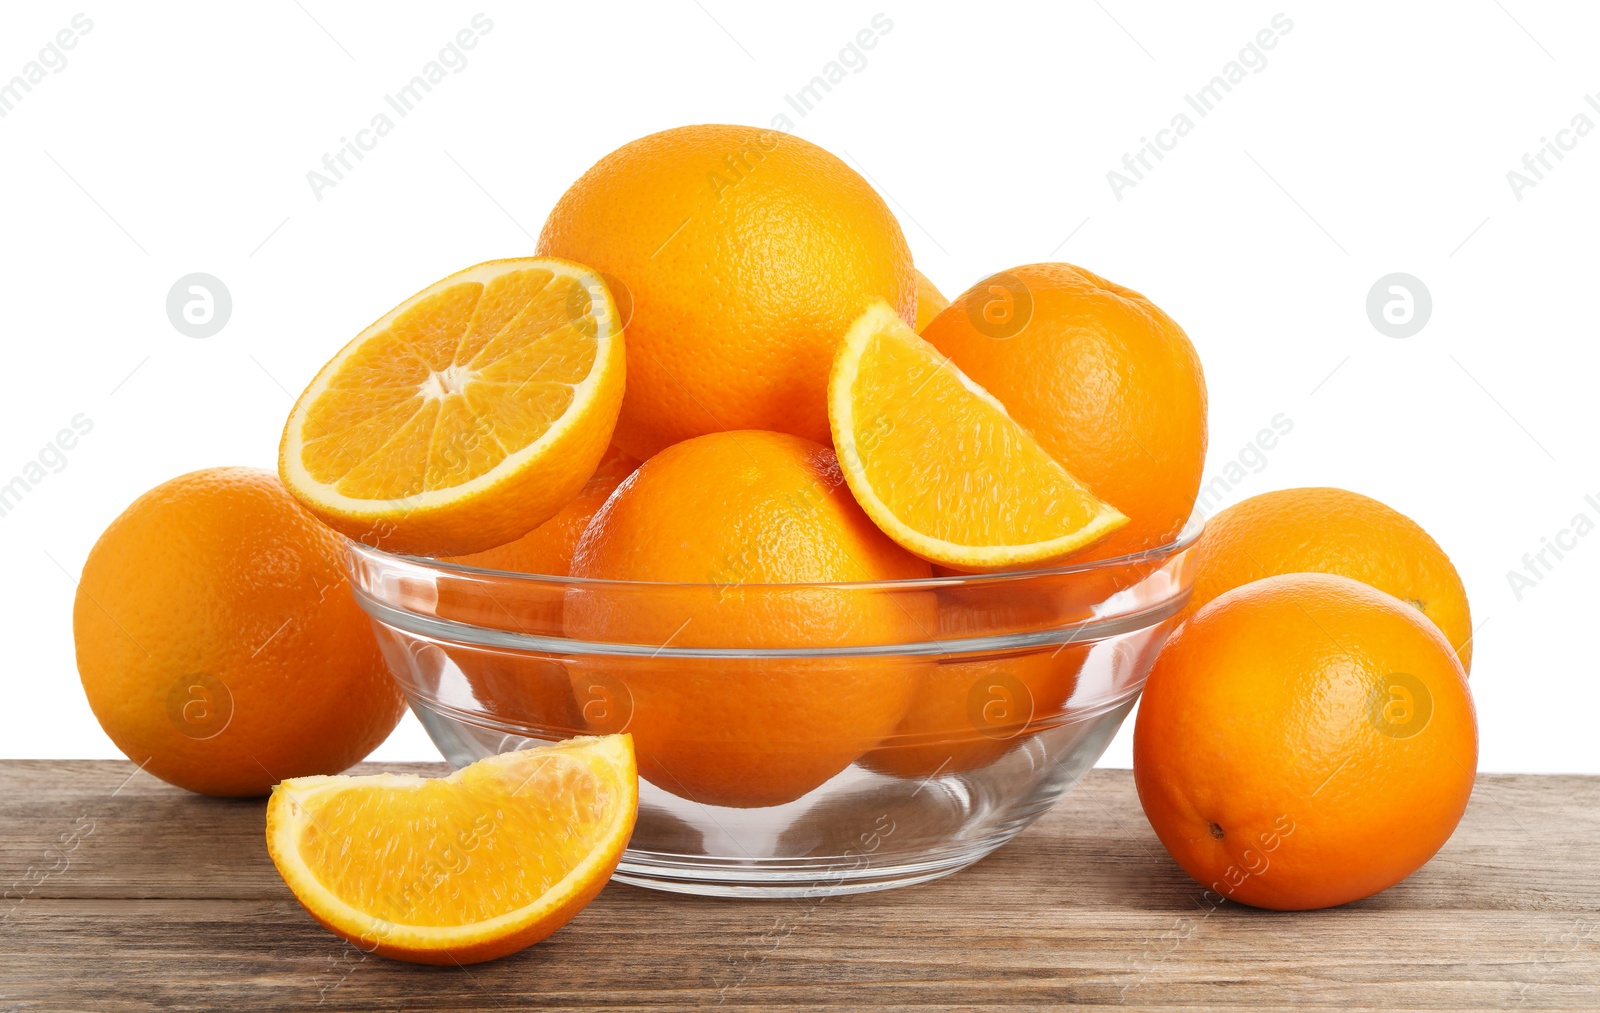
793	740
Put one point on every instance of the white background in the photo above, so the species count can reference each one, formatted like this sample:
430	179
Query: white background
1376	139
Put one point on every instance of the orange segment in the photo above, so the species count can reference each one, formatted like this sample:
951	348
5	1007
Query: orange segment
503	299
463	868
938	463
433	326
467	415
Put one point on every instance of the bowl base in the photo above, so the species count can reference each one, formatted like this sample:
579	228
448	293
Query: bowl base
691	875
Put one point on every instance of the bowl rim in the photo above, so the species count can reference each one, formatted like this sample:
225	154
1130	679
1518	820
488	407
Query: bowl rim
382	609
1193	528
1083	631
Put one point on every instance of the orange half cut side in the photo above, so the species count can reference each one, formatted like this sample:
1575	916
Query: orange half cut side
467	415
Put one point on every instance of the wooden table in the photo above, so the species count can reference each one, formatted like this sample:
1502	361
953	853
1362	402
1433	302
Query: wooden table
143	896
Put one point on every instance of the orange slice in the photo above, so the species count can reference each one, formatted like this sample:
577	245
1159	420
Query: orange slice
467	415
458	869
940	466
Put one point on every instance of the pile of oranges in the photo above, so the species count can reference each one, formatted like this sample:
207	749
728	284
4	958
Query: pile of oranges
722	368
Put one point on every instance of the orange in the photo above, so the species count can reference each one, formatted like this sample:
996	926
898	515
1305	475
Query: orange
1102	378
724	516
529	690
1304	741
218	640
930	301
458	869
969	710
1333	531
941	467
547	549
467	415
524	606
747	253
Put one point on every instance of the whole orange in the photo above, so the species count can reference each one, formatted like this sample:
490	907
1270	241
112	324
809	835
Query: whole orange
1304	741
218	640
968	712
735	521
1319	530
970	709
528	691
747	253
1106	382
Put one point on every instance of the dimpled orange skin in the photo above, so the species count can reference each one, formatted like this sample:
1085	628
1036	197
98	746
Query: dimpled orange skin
1270	767
221	573
1103	379
746	253
720	512
1321	530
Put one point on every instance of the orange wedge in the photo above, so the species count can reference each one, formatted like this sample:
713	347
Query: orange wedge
458	869
467	415
940	466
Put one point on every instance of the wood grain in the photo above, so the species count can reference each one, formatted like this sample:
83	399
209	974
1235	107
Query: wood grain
124	893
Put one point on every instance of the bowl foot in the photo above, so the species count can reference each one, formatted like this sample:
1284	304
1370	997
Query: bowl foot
695	875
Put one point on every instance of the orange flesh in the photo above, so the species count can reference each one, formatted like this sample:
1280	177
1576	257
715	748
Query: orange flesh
443	854
410	410
905	392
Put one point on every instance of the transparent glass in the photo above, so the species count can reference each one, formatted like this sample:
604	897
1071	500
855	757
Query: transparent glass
793	740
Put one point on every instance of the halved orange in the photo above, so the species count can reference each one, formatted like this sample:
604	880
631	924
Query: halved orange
941	466
458	869
467	415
